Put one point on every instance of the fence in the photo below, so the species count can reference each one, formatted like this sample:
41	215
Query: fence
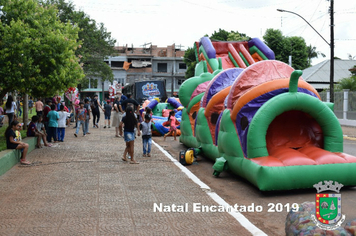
344	103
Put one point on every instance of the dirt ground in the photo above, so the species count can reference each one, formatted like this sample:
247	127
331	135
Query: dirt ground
349	131
236	190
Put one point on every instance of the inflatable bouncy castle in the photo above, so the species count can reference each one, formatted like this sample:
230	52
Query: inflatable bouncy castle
260	119
160	111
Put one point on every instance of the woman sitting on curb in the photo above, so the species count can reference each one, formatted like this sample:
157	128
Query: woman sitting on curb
13	143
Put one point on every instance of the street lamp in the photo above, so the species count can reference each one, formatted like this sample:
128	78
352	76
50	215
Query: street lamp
331	44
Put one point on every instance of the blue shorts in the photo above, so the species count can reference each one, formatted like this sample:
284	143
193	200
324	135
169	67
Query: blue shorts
129	136
107	117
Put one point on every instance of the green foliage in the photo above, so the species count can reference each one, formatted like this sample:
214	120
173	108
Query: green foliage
190	61
37	51
96	41
313	53
275	41
223	35
295	46
298	49
347	83
3	139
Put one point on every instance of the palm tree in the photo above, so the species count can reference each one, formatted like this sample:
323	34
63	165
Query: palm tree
312	53
351	57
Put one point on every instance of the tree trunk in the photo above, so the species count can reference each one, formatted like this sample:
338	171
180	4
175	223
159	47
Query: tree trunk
25	111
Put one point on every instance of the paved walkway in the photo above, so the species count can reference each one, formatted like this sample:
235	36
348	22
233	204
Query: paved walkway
82	187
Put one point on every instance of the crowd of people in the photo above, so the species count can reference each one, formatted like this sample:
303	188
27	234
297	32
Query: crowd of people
52	118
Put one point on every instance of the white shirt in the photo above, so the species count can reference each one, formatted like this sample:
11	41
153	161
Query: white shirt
63	115
13	108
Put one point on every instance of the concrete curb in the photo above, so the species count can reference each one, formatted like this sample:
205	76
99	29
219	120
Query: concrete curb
10	157
351	123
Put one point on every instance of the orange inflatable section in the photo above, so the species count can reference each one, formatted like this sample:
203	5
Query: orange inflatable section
270	70
215	105
246	54
202	58
265	88
193	114
257	57
236	56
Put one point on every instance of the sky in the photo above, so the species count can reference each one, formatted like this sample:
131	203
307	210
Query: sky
182	22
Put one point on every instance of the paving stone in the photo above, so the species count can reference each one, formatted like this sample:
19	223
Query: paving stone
82	187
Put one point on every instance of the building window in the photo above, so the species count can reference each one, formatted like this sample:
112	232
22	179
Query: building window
120	81
93	83
182	66
180	81
162	67
117	64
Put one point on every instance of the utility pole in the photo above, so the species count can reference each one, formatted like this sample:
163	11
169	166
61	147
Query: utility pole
331	44
331	50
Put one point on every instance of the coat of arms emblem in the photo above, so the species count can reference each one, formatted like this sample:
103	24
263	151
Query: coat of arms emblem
328	206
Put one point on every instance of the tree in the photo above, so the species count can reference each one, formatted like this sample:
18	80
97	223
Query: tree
97	43
190	58
37	51
313	53
223	35
347	83
295	46
351	57
190	61
275	41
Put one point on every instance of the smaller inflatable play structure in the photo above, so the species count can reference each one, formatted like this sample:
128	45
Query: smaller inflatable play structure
261	119
160	114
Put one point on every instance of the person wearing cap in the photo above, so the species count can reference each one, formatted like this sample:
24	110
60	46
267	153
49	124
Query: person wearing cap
107	113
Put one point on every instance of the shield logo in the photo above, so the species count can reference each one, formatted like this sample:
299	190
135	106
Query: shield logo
328	208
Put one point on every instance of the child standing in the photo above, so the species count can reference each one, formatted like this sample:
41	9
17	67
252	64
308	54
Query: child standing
88	108
147	111
53	117
172	123
107	113
129	122
80	116
63	115
146	128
